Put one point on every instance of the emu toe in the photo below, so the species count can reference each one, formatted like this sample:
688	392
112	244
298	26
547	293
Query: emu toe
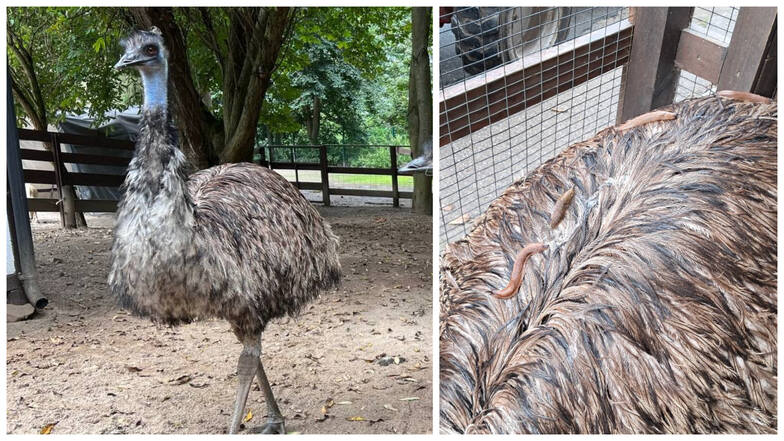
274	426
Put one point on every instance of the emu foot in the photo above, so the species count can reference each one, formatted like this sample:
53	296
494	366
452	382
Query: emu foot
274	426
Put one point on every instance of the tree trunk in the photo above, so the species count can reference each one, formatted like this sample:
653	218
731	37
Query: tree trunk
255	38
420	108
35	107
314	123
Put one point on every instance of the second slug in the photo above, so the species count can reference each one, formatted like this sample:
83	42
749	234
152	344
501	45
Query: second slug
517	271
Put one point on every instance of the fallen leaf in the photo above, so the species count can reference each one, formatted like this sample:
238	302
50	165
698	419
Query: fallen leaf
356	418
133	369
460	220
47	429
181	380
409	399
343	403
198	385
389	407
248	417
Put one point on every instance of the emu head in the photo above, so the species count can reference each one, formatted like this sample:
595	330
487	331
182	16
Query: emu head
144	51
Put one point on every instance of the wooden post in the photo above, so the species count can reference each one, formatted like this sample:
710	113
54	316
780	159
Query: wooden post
324	174
263	159
58	177
393	163
651	75
747	51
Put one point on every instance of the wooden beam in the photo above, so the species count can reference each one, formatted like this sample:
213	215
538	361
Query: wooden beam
767	75
362	170
747	49
652	76
68	138
393	166
701	56
370	193
82	205
293	165
324	175
501	92
74	158
307	185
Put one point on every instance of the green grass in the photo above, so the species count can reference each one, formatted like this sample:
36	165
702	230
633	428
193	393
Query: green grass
402	181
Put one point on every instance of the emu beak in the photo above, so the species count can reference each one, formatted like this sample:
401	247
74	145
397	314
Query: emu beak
125	61
130	59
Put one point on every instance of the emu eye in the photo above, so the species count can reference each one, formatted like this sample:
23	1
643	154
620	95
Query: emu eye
151	50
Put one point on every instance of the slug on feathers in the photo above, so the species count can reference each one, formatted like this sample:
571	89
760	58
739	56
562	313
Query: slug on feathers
517	271
645	118
744	96
561	205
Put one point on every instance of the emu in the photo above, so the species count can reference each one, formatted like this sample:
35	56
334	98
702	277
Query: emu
236	241
650	308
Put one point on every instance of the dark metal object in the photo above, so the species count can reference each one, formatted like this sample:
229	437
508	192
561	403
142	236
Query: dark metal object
23	239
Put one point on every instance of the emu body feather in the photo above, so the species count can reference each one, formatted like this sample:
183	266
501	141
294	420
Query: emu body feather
655	312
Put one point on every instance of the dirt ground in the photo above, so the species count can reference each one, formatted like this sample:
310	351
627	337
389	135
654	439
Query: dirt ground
358	360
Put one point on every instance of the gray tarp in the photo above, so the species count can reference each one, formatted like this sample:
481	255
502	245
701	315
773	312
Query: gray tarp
121	125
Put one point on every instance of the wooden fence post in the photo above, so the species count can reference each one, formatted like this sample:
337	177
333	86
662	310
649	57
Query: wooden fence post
58	176
748	50
651	76
263	159
324	174
393	162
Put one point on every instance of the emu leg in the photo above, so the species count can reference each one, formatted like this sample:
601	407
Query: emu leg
274	418
246	369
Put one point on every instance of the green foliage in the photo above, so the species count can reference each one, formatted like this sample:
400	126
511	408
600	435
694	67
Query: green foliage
355	60
73	51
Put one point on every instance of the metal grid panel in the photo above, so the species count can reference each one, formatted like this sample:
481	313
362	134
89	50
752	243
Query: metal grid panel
476	168
692	86
716	24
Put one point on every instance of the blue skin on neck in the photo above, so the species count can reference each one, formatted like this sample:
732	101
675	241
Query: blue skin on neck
154	81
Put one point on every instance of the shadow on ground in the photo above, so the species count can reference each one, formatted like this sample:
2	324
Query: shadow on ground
358	360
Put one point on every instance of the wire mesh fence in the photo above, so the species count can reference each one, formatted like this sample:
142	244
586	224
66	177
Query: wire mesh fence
716	24
553	78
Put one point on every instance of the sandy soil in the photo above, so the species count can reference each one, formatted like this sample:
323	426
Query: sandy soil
358	360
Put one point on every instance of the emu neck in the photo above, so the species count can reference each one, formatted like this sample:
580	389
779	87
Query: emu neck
156	184
154	87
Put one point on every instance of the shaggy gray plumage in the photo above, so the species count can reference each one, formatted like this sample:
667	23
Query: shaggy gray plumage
654	308
236	241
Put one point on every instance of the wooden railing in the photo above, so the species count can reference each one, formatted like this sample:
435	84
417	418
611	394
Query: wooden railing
60	176
323	166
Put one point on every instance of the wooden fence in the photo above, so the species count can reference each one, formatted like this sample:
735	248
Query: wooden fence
662	44
325	169
60	176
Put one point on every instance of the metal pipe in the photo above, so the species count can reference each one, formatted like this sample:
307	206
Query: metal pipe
23	237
